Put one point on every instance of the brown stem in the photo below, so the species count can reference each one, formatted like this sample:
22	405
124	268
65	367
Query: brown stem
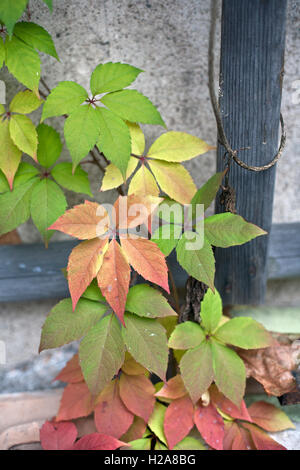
174	290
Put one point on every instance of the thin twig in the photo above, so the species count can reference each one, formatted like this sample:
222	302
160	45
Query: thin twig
174	290
45	85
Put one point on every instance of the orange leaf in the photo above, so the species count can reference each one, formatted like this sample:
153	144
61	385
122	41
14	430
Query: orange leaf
261	439
131	367
76	402
225	405
134	210
71	373
114	277
84	263
137	393
269	417
210	425
111	415
173	389
147	259
179	420
136	430
83	222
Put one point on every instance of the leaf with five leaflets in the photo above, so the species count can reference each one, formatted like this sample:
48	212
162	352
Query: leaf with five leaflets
112	77
114	278
111	415
77	181
113	177
10	12
229	229
24	135
133	106
174	180
145	301
211	310
10	155
76	402
26	172
179	420
102	353
63	99
137	393
24	102
36	36
186	335
177	147
143	183
24	63
210	425
49	145
58	436
196	369
245	333
146	341
62	325
84	263
269	417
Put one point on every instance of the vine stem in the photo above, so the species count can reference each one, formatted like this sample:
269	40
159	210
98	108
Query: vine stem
174	289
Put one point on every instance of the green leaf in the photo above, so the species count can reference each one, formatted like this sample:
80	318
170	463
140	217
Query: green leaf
64	99
10	12
24	135
230	373
48	202
244	332
25	173
23	63
211	310
145	301
24	102
207	193
102	353
137	138
10	155
93	292
229	229
133	106
146	341
36	36
62	325
186	335
196	369
177	147
77	182
81	132
166	237
2	52
49	146
189	443
15	207
112	77
140	444
156	422
198	263
49	4
114	139
4	186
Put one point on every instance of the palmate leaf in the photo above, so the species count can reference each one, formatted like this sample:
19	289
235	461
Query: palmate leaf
133	106
23	134
112	77
81	132
177	147
113	177
146	341
36	36
10	12
211	310
64	99
186	335
143	183
25	173
23	63
102	353
48	202
24	102
10	155
49	145
77	181
62	326
245	333
114	140
145	301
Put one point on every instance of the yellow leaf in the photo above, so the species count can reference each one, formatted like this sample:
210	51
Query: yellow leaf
143	183
174	180
10	155
137	138
24	135
177	147
113	177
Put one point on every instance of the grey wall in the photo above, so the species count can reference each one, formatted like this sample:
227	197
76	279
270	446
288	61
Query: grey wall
168	39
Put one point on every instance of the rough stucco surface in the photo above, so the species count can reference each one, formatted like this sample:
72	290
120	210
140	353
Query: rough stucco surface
168	39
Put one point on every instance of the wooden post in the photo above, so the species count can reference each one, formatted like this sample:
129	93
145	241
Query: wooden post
251	72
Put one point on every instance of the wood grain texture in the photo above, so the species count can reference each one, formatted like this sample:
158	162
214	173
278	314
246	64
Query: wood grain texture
251	70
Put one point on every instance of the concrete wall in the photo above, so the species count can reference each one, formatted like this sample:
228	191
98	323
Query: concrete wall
168	39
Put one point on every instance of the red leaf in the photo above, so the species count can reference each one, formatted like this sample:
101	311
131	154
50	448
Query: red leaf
269	417
82	221
133	210
229	408
179	420
71	373
173	389
147	259
77	401
210	425
98	441
114	277
84	263
137	393
111	415
261	439
237	438
58	436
